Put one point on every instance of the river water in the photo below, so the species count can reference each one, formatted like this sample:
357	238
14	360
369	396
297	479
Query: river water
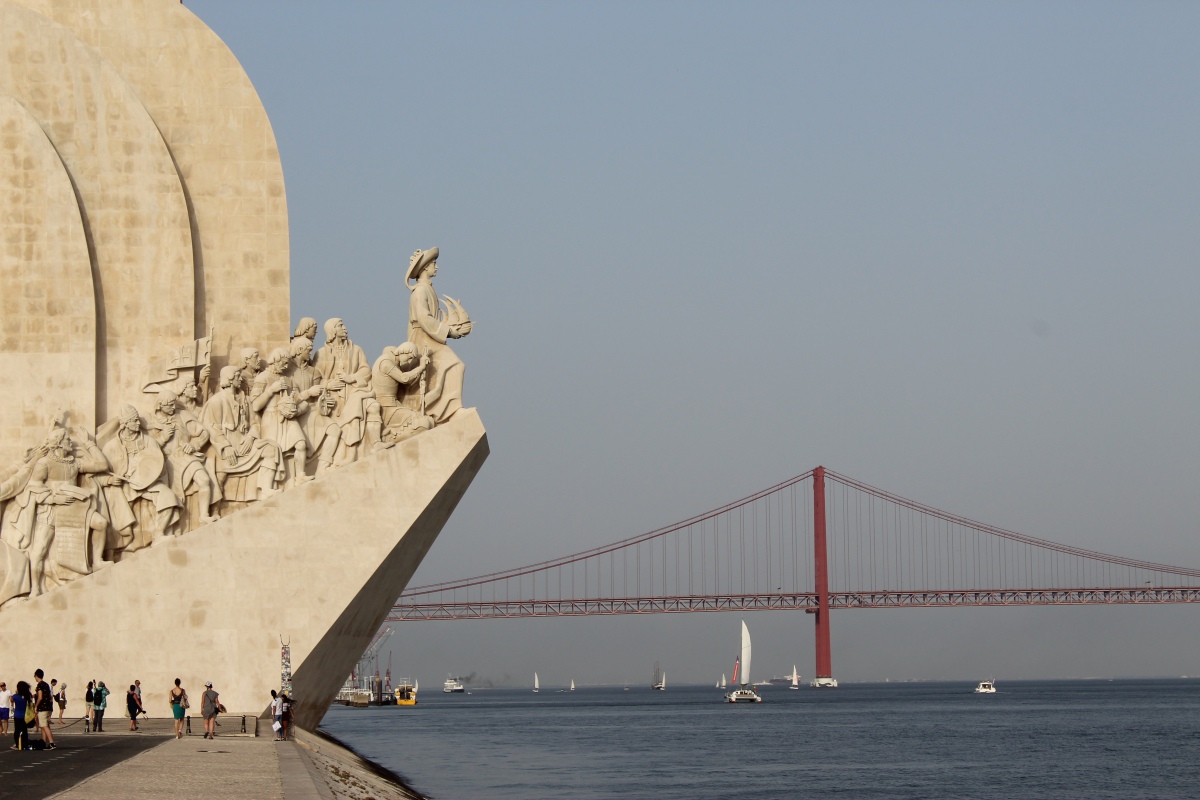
1032	739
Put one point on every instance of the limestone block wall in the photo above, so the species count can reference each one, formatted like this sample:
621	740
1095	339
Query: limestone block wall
47	306
218	133
129	192
318	566
176	181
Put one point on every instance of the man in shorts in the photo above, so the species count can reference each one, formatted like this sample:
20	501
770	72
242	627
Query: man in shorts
43	707
5	707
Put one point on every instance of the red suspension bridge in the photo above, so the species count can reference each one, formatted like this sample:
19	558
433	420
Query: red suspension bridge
816	542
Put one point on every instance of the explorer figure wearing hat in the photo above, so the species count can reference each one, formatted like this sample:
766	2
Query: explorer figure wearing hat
428	329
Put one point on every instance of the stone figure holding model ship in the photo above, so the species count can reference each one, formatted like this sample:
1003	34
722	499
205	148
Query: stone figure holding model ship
429	326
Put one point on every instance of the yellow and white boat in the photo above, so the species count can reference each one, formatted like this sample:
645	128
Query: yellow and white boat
406	693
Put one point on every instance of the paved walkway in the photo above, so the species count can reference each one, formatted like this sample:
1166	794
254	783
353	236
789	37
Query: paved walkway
41	773
151	764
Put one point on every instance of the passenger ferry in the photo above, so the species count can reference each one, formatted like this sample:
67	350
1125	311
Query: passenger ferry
453	685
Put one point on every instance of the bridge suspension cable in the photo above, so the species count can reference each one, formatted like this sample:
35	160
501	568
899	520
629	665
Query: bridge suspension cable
759	552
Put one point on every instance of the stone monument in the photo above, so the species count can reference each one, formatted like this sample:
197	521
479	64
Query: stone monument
170	504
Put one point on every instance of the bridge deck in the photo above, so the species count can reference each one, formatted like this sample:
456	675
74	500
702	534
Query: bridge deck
806	601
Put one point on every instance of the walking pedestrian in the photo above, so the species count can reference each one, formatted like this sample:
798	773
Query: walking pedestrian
179	704
22	705
276	725
285	715
61	699
44	707
133	705
88	697
99	704
210	704
5	707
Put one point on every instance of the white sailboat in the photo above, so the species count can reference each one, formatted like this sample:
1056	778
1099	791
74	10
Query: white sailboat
723	685
795	676
744	693
660	679
535	682
572	684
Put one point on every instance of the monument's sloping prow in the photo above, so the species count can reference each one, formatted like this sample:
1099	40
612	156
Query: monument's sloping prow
324	670
318	567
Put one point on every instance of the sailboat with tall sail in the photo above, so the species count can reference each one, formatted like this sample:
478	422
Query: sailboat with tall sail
660	679
572	684
535	683
795	676
744	691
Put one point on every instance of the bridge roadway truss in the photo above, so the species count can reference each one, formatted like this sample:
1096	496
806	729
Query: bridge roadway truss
806	602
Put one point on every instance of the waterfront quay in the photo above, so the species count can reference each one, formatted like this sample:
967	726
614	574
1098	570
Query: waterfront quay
151	763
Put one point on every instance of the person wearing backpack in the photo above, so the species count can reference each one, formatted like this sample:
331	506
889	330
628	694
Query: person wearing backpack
99	703
23	708
179	704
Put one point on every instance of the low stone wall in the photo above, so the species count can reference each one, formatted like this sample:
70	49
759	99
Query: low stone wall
349	776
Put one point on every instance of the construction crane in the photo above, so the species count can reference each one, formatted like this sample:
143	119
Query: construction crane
361	680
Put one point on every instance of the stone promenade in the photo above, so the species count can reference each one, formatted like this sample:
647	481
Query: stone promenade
151	764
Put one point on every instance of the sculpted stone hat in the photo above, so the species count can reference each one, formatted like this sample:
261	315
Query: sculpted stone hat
420	259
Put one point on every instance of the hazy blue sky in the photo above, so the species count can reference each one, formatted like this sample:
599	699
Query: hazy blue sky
949	249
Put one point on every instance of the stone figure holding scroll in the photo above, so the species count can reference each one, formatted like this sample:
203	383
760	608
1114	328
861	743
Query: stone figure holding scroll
279	405
428	330
139	472
346	373
240	449
57	521
395	379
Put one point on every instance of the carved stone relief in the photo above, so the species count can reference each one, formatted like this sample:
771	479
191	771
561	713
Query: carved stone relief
75	502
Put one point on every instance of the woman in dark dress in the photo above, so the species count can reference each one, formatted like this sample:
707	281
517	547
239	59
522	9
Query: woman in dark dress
134	704
22	700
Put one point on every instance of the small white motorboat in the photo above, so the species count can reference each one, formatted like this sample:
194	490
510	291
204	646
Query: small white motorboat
986	687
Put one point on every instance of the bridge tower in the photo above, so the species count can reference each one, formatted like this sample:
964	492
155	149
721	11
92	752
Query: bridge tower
824	674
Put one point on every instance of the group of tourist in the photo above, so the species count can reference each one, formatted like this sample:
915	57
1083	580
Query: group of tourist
27	707
30	706
281	714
